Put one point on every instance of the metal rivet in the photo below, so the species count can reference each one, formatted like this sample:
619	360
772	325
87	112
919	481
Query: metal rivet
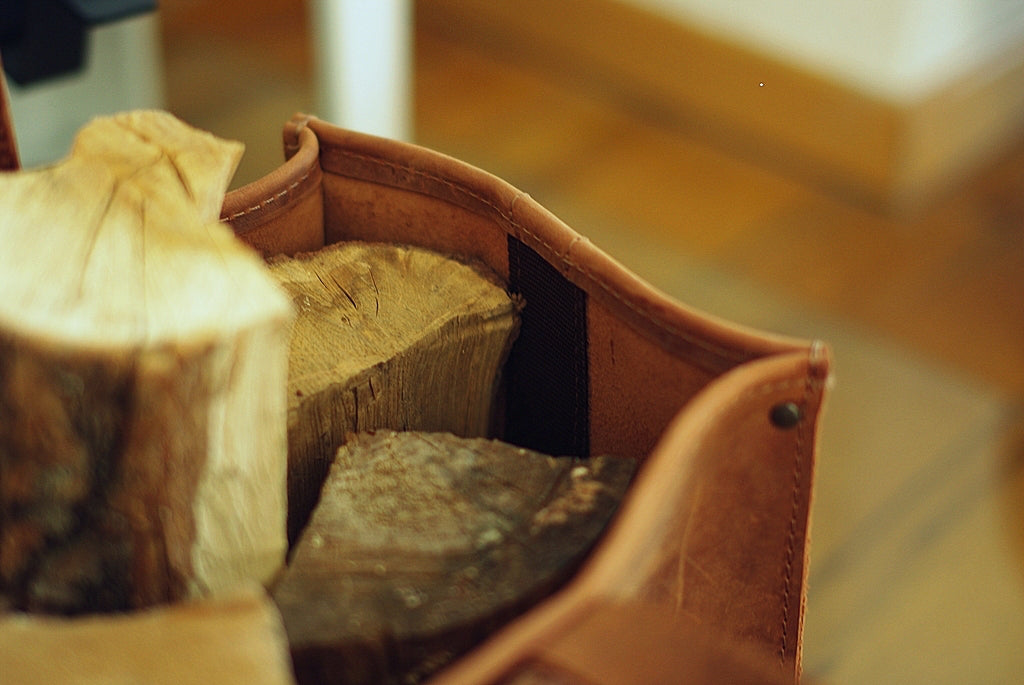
786	415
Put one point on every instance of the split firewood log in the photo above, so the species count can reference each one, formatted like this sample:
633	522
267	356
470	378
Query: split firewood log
237	639
424	543
387	336
143	361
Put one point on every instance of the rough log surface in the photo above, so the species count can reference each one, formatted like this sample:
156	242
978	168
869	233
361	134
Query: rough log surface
143	356
387	336
422	544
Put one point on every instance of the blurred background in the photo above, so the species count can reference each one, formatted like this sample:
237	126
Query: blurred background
850	170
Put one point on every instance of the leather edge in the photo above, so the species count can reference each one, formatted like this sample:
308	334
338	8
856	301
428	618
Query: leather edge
720	344
9	160
261	212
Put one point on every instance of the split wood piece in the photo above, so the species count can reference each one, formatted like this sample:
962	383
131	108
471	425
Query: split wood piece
387	336
236	639
423	544
143	361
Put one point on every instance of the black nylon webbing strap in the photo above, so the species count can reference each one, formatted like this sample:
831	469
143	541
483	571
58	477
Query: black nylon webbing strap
547	372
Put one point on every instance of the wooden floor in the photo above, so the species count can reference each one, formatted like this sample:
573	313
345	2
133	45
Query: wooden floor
917	569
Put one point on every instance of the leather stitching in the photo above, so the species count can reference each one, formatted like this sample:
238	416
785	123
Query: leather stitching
722	352
813	382
277	197
772	388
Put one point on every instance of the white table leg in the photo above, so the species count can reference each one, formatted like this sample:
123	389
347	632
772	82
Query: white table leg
363	52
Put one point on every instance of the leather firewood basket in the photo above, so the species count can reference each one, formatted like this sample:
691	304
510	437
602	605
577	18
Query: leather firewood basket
701	577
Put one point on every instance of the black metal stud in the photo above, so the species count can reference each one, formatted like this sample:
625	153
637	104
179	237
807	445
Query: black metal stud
786	415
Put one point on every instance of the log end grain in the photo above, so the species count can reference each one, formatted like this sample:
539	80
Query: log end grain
387	336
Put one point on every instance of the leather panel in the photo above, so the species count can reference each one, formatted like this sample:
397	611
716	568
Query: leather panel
359	210
712	536
636	643
637	386
716	524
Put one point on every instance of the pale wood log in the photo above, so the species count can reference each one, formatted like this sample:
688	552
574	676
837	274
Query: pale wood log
423	543
387	336
143	359
231	640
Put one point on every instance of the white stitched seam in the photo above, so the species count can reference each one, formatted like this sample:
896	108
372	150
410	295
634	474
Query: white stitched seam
268	201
